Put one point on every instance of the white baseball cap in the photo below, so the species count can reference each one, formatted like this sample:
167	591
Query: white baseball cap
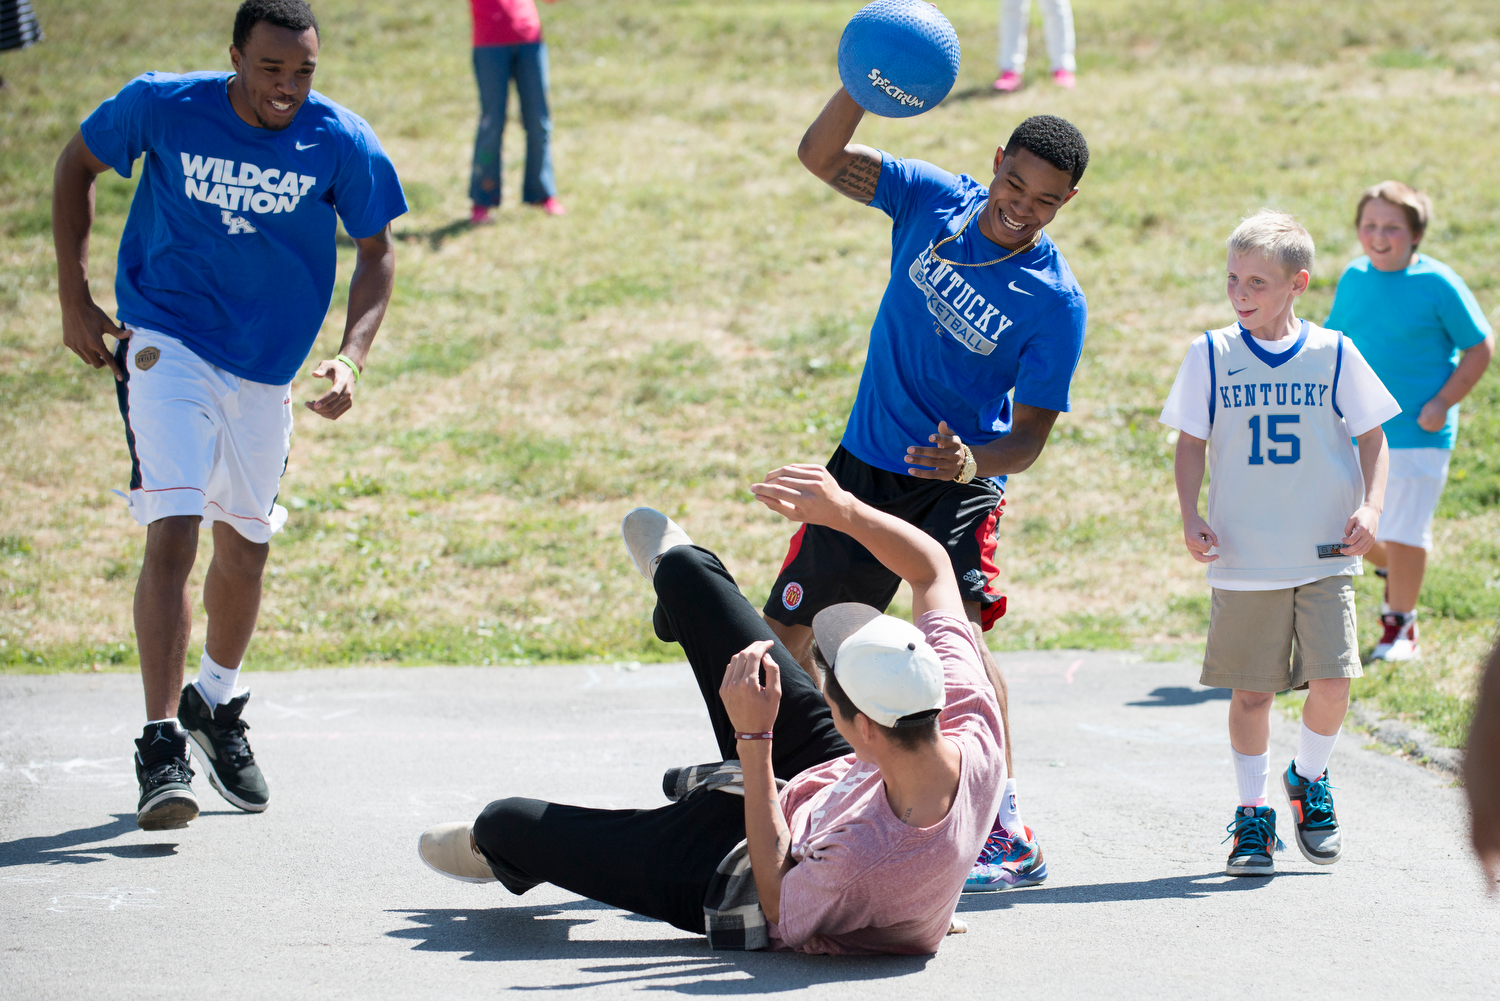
885	665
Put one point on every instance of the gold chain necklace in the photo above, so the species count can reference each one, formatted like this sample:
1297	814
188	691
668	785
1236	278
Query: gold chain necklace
1035	239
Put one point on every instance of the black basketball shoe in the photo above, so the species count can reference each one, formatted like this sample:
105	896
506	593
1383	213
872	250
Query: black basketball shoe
218	738
165	777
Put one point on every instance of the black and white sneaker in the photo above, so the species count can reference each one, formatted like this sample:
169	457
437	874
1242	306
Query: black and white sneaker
165	777
218	739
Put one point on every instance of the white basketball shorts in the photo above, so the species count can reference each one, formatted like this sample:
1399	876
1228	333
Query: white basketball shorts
203	442
1412	491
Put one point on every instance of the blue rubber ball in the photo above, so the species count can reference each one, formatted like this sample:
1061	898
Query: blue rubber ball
898	58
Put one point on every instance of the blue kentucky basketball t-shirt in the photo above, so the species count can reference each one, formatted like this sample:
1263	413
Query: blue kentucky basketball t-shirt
951	343
229	245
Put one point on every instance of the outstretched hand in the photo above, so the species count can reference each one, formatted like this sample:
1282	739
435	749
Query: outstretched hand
340	396
803	491
752	706
945	458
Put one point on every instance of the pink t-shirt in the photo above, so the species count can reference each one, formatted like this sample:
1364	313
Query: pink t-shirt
505	22
865	882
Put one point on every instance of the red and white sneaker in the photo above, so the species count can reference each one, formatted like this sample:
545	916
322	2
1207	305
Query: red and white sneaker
1399	641
1009	82
1064	79
479	215
552	207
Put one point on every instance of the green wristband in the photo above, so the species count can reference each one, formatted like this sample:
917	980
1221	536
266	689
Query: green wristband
352	366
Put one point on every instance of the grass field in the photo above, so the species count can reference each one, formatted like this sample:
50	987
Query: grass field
700	316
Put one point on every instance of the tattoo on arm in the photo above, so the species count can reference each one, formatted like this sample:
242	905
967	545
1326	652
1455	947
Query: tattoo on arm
858	177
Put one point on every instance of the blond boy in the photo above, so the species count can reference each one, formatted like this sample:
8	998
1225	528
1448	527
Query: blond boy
1273	401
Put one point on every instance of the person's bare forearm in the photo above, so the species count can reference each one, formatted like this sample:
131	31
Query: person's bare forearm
1374	462
849	168
901	547
72	218
369	295
1015	452
766	832
1188	467
1471	368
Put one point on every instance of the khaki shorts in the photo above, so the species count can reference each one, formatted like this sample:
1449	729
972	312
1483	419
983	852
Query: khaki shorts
1251	637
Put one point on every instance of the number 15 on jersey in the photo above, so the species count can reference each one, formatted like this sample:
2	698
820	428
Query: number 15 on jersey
1276	436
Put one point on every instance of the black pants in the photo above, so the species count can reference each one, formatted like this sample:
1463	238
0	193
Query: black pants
659	862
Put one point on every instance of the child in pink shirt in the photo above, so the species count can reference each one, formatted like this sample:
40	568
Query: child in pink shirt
508	45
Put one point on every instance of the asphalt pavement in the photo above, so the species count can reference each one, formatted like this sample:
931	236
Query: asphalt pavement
1123	771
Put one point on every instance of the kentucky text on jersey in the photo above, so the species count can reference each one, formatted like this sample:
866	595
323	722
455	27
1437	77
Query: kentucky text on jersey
243	187
1278	394
958	308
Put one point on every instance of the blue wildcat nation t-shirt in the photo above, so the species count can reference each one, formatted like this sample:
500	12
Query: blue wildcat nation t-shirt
951	343
229	245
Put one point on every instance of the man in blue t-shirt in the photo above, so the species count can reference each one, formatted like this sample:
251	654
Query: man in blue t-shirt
226	270
970	361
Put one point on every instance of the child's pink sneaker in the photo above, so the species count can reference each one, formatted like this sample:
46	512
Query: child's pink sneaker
1008	82
479	215
553	207
1064	79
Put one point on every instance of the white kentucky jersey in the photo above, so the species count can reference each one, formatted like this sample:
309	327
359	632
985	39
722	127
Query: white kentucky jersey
1284	474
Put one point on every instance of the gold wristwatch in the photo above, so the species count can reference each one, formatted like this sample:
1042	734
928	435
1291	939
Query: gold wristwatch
970	467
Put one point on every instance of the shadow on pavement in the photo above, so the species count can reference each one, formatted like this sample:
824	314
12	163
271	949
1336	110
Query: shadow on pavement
33	851
1166	888
532	934
1181	696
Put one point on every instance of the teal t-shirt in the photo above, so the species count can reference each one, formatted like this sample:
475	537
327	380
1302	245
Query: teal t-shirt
1410	326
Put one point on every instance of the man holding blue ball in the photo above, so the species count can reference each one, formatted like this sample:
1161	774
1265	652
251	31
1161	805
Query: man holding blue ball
981	307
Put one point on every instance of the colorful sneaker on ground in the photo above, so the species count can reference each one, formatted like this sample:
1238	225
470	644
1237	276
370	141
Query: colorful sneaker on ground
552	207
1064	79
479	215
1007	863
218	738
1399	641
1023	862
1008	82
1254	832
165	777
1318	836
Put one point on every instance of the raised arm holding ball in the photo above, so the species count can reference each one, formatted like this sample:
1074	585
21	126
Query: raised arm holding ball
980	305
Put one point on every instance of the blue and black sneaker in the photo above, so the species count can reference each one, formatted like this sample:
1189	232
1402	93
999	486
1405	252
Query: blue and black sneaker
1254	832
1318	836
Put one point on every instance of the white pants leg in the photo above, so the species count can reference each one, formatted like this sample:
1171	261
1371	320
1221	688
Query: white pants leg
1057	17
1014	16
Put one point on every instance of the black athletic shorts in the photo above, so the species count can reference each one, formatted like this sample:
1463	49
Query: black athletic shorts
825	567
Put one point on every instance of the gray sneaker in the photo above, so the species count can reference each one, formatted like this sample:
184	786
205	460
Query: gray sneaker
449	849
1318	836
649	535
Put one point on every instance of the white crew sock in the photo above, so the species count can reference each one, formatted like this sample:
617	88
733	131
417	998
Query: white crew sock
1250	771
1010	815
215	681
1313	752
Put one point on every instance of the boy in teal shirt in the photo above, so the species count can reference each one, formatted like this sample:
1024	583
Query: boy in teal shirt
1420	328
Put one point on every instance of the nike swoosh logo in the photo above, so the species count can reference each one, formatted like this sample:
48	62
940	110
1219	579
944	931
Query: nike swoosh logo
1020	290
1234	371
308	146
